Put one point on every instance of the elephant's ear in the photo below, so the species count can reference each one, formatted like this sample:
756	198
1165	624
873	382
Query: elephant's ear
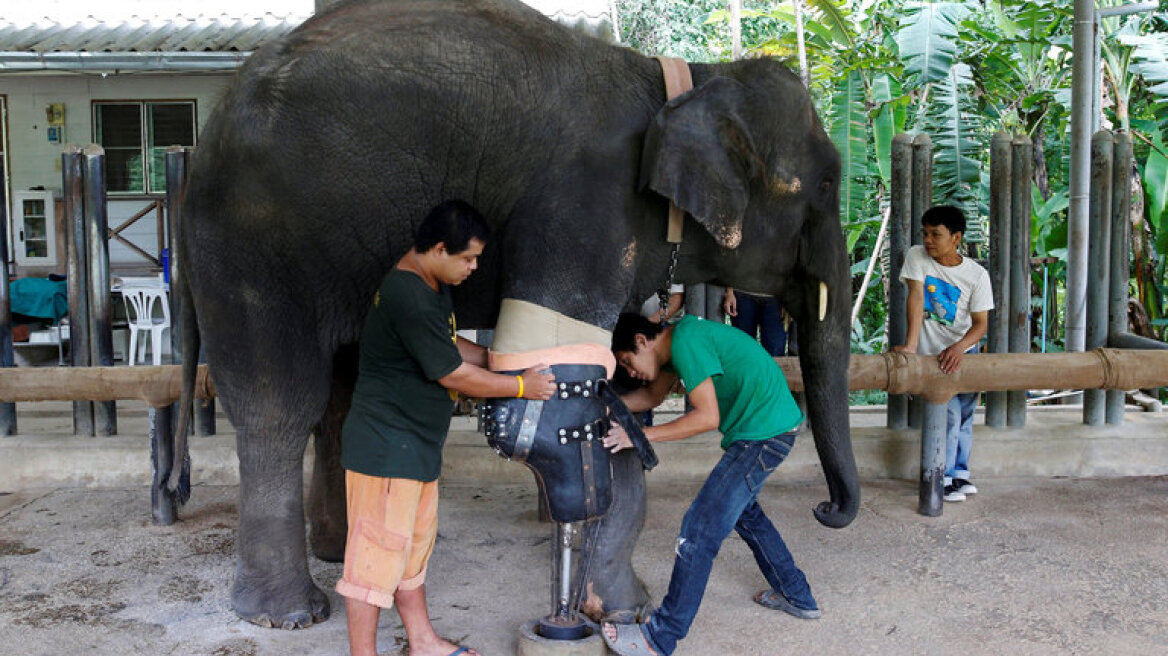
699	154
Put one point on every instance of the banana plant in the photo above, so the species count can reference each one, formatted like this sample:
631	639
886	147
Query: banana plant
954	129
888	120
927	40
848	129
929	47
1149	60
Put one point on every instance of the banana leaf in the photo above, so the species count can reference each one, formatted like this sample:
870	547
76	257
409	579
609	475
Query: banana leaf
849	128
927	40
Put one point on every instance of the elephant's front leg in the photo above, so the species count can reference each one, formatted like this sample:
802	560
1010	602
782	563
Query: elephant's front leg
613	591
272	585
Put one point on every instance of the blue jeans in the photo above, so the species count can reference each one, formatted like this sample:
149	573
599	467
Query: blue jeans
728	500
959	436
762	316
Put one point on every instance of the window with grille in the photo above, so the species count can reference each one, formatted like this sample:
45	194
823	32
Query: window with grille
135	136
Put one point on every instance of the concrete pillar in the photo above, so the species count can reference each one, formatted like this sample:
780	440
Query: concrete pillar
1021	165
7	355
101	345
1120	252
1098	266
999	328
899	240
77	274
933	429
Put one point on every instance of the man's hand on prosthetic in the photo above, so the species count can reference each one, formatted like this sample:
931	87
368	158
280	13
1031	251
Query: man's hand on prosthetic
617	439
539	384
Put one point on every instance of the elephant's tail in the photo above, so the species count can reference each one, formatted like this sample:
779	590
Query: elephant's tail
179	480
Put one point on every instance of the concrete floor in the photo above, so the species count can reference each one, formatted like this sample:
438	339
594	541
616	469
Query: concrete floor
1032	564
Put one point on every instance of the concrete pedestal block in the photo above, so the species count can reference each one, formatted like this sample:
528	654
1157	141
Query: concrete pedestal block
531	643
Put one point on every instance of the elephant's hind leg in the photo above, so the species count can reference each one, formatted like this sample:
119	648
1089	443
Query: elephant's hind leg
328	527
273	586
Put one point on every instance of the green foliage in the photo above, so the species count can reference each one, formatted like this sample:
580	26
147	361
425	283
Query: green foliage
928	40
958	71
1150	53
849	132
888	120
1156	191
1048	225
954	130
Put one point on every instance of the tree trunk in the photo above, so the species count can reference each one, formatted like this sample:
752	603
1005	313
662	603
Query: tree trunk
1143	252
804	74
1041	175
736	29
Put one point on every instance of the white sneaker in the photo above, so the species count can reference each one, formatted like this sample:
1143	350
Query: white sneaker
963	486
953	494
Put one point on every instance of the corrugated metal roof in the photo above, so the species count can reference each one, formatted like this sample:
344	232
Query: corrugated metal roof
204	42
221	33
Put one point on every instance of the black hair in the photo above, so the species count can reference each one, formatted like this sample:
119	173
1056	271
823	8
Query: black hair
944	215
628	326
453	223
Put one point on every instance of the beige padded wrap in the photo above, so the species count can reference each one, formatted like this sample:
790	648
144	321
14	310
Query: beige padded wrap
570	354
525	327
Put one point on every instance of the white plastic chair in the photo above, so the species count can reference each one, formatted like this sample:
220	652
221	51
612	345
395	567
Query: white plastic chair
140	309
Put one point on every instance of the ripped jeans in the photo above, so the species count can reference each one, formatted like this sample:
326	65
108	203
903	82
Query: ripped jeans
728	500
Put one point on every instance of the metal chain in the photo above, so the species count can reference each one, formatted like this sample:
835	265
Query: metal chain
663	293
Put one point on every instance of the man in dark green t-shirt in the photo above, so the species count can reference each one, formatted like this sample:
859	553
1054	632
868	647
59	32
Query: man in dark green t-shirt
412	367
736	387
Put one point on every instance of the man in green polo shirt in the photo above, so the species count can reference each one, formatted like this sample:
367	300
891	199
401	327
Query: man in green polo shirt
412	367
736	387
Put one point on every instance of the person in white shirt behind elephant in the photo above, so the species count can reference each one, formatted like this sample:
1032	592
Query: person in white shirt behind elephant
949	299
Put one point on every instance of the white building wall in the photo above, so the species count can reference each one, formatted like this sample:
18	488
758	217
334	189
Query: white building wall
33	161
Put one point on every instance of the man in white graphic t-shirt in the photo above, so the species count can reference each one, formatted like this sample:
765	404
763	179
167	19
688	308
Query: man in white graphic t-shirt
949	299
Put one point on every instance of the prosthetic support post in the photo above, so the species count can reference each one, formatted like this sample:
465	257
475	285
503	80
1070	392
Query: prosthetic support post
561	442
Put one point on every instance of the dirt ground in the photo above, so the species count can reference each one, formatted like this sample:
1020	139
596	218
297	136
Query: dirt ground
1027	566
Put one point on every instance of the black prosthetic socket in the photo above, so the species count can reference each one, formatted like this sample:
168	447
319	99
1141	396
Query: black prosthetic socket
560	441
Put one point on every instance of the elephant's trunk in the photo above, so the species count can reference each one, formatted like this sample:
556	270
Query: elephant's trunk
824	352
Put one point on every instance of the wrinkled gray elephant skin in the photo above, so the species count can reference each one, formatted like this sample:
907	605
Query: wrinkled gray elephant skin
332	143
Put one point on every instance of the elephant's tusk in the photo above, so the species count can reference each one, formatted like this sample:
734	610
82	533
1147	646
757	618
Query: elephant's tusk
822	300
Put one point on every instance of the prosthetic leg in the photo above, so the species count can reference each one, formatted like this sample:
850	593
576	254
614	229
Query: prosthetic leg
560	441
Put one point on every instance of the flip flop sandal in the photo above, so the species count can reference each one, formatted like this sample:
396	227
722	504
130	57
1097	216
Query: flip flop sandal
630	639
459	651
775	601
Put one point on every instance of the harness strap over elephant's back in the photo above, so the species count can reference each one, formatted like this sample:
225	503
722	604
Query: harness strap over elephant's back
678	80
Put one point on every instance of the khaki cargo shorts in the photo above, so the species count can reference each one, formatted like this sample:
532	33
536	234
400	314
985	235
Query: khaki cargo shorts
392	526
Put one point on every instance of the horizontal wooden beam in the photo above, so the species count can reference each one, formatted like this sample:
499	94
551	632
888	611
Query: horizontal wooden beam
898	373
156	385
902	373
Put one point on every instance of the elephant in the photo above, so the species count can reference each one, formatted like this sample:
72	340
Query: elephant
333	142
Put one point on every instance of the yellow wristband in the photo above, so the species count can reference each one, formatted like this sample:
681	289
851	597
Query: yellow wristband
519	395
